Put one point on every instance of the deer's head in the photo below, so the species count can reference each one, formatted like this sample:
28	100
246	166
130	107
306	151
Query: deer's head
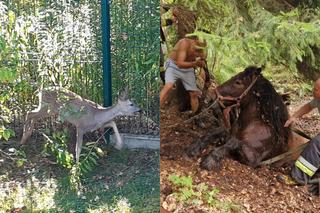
126	107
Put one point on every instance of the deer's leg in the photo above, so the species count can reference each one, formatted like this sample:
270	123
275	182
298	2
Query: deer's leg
213	159
119	142
102	133
29	123
79	143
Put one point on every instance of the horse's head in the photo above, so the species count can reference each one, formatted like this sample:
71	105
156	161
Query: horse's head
239	85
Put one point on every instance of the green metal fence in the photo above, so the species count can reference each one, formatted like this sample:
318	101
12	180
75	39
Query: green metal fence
59	43
135	52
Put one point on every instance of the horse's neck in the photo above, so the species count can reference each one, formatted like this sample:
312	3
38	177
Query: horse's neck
248	113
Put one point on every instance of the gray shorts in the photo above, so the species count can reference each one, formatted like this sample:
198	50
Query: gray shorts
187	76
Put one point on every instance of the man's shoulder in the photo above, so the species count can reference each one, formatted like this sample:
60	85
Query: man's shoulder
185	40
184	43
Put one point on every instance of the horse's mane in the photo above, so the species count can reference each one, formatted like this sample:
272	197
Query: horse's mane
270	105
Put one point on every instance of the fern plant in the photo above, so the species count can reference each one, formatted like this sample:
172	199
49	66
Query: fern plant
188	192
244	33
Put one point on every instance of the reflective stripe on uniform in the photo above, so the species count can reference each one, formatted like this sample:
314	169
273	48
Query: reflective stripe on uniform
305	166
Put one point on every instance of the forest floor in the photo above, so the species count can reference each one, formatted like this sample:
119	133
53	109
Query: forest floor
185	187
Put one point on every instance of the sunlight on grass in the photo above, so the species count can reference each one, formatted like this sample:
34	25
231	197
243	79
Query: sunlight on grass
106	189
122	205
121	183
33	194
37	195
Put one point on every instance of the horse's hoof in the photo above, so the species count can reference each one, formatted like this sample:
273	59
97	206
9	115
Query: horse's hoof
209	163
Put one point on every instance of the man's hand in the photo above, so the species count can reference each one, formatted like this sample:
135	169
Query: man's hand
290	121
200	63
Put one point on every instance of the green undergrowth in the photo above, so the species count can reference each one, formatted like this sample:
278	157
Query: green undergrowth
190	193
122	181
285	81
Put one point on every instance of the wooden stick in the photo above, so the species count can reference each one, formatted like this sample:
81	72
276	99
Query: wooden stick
284	155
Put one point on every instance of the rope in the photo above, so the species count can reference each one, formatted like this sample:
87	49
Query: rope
195	116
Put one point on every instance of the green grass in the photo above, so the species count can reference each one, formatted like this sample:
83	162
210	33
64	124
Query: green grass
124	181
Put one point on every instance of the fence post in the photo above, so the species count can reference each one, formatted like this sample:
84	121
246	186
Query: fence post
106	56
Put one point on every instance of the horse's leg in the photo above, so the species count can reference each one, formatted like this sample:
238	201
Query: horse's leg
197	147
251	156
212	160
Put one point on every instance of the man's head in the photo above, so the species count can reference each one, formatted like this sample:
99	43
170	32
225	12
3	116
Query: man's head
316	89
201	41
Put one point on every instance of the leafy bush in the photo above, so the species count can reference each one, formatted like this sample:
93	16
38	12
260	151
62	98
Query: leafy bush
8	72
57	145
244	33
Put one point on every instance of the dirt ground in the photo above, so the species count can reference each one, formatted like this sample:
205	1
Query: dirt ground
254	190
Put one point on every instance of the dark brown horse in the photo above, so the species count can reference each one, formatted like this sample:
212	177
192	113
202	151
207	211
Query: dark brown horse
254	115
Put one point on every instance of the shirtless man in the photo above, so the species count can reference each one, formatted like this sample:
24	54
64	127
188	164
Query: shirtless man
187	54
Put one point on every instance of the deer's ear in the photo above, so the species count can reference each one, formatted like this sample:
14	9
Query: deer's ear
124	94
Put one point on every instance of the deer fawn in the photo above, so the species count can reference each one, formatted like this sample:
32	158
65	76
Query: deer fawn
86	115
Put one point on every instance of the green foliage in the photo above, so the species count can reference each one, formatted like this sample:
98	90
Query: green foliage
9	61
209	12
135	51
66	37
20	157
6	133
44	43
57	145
190	193
90	157
90	153
59	43
5	116
181	181
87	164
244	33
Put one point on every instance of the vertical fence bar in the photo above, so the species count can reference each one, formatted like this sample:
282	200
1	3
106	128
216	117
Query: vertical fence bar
106	56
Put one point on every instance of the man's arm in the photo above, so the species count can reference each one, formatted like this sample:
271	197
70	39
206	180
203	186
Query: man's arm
306	108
